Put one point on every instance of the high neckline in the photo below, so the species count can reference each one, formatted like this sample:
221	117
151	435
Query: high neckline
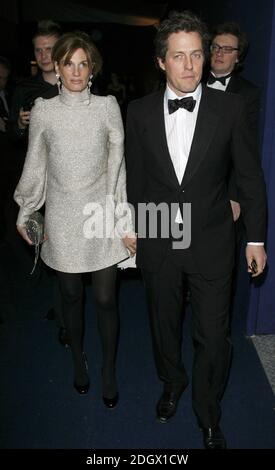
70	98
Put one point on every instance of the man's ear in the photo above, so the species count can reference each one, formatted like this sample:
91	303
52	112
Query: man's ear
161	63
56	68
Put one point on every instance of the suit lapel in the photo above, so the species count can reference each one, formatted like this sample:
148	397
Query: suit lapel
205	128
156	126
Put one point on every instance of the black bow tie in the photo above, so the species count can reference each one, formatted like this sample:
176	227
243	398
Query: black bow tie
186	103
213	79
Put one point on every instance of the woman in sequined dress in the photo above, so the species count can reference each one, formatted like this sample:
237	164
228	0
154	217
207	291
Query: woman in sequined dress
75	165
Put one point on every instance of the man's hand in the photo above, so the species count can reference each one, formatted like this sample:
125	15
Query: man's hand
130	242
236	210
23	119
258	254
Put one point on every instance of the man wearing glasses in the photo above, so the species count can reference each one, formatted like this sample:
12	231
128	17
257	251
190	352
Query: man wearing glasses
228	50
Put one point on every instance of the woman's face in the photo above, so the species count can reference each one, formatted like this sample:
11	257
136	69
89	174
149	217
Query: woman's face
75	74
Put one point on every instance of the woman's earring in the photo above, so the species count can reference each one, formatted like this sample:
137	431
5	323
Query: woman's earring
59	83
90	82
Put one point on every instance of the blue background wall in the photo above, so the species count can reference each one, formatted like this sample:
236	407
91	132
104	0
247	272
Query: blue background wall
258	20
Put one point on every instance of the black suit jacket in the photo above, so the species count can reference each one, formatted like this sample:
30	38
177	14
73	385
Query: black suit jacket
221	135
3	112
251	96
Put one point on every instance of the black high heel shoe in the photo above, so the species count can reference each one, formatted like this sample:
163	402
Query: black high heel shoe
82	389
110	402
107	384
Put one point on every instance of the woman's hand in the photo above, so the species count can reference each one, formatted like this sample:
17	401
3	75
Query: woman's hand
130	242
23	232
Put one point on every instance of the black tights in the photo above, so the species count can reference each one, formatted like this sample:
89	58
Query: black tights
104	288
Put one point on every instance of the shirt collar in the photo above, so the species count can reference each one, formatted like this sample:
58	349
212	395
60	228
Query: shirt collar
228	75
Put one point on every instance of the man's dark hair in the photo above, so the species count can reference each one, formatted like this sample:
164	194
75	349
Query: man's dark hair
231	27
47	28
176	22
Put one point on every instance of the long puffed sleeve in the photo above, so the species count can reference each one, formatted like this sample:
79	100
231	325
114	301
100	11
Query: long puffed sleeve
116	169
30	191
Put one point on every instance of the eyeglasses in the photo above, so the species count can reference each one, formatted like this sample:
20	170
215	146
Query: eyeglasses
225	49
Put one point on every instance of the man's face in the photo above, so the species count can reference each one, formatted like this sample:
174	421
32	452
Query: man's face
183	62
43	52
4	75
223	63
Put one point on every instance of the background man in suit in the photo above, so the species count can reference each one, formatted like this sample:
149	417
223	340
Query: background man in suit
5	70
179	148
228	50
4	112
43	84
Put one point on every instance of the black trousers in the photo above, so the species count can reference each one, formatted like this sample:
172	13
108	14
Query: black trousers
210	302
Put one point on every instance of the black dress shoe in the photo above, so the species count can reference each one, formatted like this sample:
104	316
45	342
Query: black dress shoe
167	406
110	402
82	389
63	337
213	438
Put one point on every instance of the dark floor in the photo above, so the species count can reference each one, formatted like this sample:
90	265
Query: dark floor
40	409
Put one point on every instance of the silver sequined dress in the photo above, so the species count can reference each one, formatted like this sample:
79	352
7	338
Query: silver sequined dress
74	160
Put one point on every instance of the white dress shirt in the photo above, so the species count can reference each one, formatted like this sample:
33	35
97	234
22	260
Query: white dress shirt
180	128
218	85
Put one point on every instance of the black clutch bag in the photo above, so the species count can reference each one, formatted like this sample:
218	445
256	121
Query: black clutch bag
35	231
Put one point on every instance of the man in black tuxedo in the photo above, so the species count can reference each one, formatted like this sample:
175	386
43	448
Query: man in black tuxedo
180	145
229	47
